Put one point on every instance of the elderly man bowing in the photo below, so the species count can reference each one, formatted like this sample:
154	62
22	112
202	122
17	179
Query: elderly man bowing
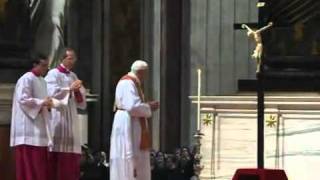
130	138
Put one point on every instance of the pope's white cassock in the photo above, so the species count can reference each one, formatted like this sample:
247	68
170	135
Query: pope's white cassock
125	152
65	122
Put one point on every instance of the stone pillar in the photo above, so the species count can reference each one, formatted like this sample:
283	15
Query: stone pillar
6	94
106	75
171	61
150	51
96	109
6	153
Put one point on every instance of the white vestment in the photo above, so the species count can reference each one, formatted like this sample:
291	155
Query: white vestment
29	120
65	124
125	152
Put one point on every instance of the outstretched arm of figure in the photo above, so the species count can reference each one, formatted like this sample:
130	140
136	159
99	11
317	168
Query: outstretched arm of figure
244	26
264	28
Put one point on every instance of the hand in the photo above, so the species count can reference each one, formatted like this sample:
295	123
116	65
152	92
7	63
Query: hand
47	102
154	105
76	85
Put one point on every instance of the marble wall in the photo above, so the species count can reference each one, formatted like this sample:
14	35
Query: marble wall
213	45
230	141
292	147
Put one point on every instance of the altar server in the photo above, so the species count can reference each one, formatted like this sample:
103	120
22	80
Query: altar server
29	135
64	85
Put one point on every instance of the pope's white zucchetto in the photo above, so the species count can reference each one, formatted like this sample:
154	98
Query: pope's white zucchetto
139	65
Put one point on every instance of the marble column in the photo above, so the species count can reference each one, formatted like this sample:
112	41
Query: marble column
6	153
150	52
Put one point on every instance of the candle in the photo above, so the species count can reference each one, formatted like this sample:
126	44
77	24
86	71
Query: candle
198	109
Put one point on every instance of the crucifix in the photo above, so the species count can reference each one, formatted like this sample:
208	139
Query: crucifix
255	35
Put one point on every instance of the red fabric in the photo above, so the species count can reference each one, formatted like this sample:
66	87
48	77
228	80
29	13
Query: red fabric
63	70
78	96
128	77
31	162
64	166
263	174
35	72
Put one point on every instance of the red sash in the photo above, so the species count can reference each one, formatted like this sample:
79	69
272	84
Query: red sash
78	96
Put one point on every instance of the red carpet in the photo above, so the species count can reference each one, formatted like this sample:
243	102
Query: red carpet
260	174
